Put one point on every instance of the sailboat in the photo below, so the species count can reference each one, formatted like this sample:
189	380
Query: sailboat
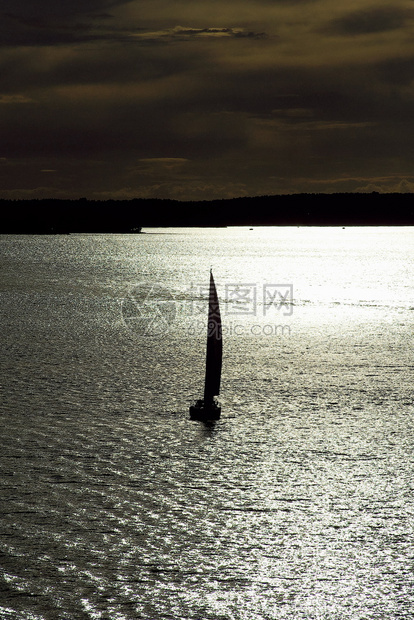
208	408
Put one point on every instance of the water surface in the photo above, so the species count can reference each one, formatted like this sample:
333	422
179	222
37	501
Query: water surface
297	504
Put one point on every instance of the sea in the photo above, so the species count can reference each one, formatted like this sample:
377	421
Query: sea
298	504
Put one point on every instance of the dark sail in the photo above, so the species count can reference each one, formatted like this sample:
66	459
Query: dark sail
214	345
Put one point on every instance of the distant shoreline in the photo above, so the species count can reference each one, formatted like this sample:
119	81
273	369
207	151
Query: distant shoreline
58	216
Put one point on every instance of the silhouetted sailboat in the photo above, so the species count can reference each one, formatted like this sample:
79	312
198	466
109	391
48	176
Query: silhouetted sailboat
208	408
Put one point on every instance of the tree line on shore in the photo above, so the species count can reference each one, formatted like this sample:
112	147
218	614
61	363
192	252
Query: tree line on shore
57	216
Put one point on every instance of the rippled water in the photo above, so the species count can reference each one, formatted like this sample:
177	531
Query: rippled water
297	504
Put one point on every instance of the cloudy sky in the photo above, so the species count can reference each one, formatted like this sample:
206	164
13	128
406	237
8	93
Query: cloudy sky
199	99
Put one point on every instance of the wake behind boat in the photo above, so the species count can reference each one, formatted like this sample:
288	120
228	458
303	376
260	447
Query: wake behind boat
208	408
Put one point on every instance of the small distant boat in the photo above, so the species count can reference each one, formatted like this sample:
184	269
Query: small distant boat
208	408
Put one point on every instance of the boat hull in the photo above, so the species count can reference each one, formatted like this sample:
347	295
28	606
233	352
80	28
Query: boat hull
203	411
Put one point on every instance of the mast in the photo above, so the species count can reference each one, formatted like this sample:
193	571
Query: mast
214	345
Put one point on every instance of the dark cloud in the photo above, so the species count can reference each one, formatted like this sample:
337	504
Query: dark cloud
49	22
44	71
397	71
370	20
49	9
192	100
